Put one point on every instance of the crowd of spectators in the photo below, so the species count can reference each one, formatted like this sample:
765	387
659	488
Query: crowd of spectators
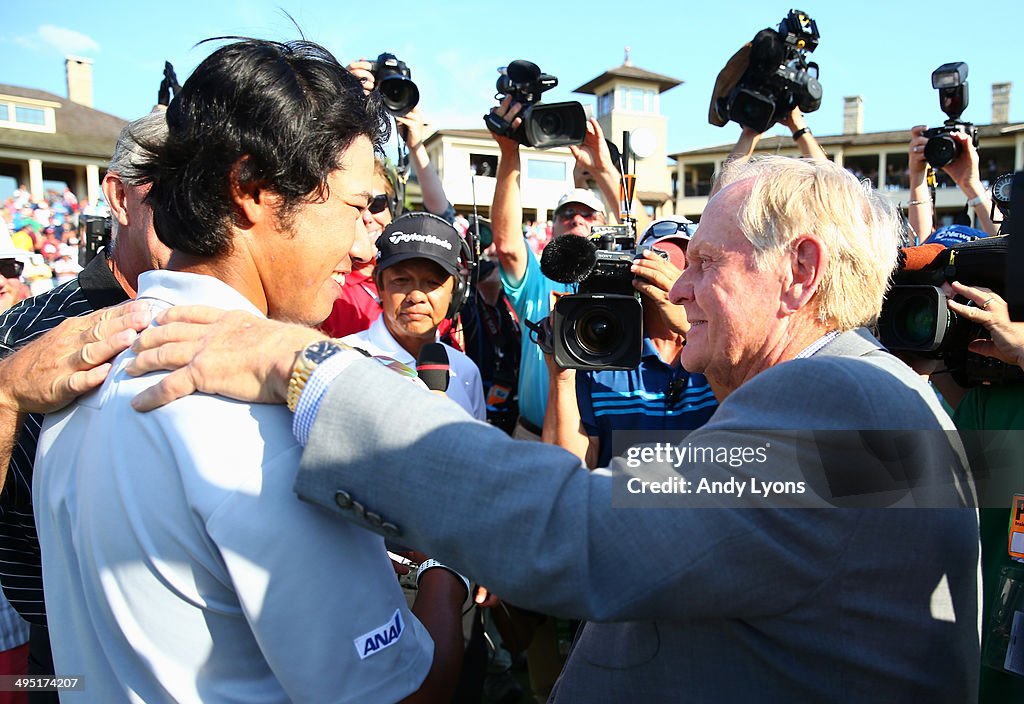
47	231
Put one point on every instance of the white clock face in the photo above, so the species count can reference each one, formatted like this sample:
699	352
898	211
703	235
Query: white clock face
643	142
1001	188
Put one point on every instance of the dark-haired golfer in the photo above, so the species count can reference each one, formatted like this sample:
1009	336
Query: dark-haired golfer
178	564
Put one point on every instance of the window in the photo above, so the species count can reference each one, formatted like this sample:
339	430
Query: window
698	179
29	116
863	167
483	164
897	171
545	169
32	115
636	99
605	103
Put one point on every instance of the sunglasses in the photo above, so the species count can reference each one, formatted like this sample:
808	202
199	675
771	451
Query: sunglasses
11	268
378	203
666	228
570	213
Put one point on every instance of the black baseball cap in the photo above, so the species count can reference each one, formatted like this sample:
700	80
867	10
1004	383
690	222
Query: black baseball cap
419	236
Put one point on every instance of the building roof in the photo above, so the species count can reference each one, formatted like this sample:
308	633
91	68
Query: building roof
482	133
81	131
632	72
901	137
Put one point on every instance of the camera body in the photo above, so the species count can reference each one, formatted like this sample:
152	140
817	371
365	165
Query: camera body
600	326
915	317
94	233
942	148
778	77
543	126
951	82
393	80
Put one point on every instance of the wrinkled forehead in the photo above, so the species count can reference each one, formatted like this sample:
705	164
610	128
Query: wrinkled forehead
720	224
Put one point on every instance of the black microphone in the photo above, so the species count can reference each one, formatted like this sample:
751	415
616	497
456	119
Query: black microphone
568	259
432	366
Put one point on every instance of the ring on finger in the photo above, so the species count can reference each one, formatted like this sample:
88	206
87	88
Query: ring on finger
987	302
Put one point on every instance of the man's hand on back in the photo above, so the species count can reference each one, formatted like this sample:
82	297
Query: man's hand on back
230	353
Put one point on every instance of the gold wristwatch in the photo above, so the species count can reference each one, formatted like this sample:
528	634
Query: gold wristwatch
309	359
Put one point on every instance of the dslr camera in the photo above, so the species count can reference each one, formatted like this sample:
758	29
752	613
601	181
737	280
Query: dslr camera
543	126
393	80
778	77
951	82
600	326
915	316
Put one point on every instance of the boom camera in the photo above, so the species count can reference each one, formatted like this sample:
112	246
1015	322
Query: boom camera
393	80
951	82
778	77
600	326
915	316
543	126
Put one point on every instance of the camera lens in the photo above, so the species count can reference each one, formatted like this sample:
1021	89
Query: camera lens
598	332
941	150
399	94
550	123
915	320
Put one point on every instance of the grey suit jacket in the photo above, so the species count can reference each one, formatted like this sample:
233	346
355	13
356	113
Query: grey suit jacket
698	605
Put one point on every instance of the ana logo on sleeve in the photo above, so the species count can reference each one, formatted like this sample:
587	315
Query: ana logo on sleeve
380	638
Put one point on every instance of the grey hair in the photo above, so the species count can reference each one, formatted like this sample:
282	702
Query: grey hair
128	152
859	227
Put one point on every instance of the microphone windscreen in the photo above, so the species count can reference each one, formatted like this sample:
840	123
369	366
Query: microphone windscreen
432	366
921	257
568	259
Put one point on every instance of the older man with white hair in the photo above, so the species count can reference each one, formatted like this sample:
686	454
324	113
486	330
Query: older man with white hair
808	596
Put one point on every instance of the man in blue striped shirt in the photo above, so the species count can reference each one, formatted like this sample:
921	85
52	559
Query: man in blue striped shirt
584	409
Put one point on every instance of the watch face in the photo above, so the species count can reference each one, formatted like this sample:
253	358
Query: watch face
319	351
1001	188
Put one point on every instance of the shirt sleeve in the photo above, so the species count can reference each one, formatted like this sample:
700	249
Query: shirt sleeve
585	402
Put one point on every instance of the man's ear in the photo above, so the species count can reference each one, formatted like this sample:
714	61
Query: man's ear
116	196
807	257
252	200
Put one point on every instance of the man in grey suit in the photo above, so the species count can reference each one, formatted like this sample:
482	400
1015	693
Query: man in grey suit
812	604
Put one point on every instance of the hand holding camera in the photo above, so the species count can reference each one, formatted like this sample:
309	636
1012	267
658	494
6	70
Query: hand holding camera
363	70
506	117
655	275
593	157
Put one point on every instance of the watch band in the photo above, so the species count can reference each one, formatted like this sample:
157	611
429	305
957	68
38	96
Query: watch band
977	200
309	359
801	132
431	563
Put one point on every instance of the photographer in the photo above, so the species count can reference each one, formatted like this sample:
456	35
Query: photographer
528	289
965	174
585	408
994	407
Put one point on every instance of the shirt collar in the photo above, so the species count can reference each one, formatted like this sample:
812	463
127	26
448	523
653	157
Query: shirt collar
816	346
176	288
381	337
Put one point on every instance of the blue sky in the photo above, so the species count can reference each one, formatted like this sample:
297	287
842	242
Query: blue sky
883	51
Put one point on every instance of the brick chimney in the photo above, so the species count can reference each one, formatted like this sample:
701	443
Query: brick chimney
79	73
853	114
1001	103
